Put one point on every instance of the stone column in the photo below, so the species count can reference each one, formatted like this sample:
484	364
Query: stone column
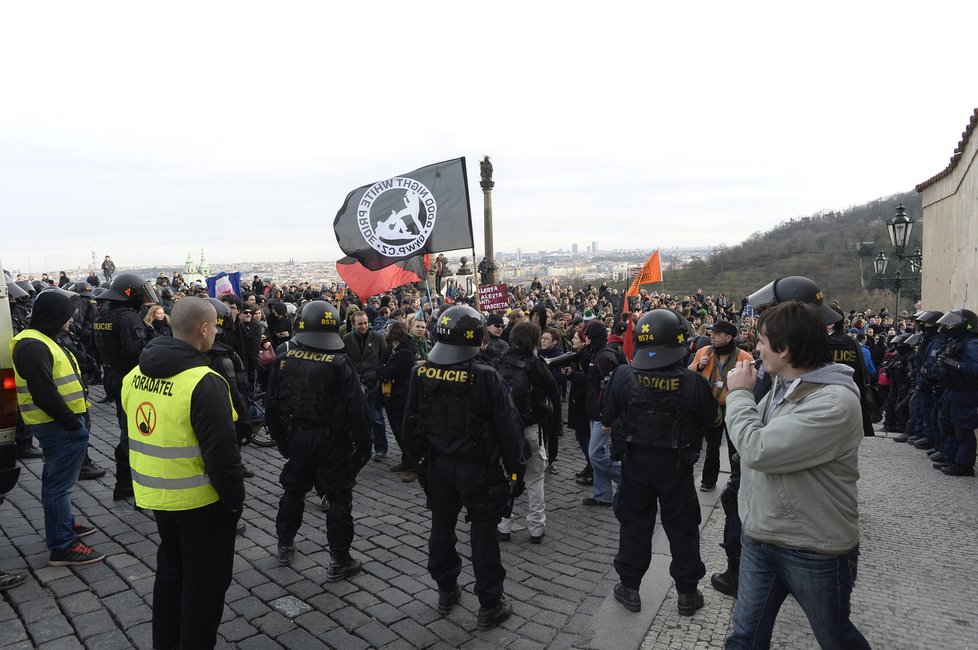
489	277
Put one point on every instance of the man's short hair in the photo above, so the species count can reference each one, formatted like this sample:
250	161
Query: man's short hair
187	315
799	328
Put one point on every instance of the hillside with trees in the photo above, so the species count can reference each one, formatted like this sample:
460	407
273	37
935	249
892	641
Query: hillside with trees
836	249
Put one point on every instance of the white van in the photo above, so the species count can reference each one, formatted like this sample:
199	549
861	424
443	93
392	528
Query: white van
9	470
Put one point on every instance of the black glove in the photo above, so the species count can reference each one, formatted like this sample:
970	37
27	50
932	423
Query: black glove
951	363
516	488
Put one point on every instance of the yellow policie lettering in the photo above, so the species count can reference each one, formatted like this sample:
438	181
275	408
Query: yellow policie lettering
102	327
153	385
442	374
310	356
843	356
659	383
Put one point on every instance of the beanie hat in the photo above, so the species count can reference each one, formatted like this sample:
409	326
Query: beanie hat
725	327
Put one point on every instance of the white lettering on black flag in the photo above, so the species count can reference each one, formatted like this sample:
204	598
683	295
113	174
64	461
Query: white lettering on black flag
423	211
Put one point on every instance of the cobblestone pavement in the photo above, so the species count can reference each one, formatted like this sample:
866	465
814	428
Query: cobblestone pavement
555	586
916	586
914	589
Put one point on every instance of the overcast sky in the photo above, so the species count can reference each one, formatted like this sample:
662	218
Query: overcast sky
239	127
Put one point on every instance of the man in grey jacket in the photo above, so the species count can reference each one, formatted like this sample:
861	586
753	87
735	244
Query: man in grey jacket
799	454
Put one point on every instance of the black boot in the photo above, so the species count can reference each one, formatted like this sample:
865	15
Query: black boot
628	597
89	470
689	603
727	582
447	599
490	617
342	566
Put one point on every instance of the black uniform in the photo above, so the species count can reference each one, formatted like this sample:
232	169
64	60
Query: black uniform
316	412
120	336
657	420
846	351
461	420
227	363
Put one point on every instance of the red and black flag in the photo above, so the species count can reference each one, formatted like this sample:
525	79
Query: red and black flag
366	283
423	211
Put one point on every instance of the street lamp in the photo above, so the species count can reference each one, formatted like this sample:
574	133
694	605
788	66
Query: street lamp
900	228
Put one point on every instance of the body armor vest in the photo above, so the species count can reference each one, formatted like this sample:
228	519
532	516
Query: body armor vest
302	369
107	340
957	380
446	412
652	417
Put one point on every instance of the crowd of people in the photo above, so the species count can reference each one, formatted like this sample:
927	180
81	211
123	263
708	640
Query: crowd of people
646	381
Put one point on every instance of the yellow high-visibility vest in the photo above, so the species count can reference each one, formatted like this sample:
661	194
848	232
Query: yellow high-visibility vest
168	470
65	375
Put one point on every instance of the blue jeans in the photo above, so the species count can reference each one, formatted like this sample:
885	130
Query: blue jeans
64	452
822	585
376	416
605	470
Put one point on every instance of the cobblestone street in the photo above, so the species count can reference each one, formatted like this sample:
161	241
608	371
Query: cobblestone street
914	589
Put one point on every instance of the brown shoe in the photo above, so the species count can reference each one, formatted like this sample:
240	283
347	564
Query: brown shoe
409	476
400	467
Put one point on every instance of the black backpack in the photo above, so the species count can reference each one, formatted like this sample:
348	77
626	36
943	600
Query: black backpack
515	372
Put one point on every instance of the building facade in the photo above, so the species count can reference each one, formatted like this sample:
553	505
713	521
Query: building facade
950	236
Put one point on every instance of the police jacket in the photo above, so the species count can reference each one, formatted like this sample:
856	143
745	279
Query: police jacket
210	413
603	363
395	374
226	362
667	408
959	400
120	336
930	348
365	352
846	351
463	411
316	390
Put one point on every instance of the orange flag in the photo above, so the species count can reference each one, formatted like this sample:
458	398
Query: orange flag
651	272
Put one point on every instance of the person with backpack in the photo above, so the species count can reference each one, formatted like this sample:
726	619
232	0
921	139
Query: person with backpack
604	359
537	398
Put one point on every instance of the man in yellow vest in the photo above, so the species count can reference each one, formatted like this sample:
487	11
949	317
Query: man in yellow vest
52	402
186	468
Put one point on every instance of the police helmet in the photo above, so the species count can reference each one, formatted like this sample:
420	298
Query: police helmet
899	339
129	287
794	287
660	339
98	291
458	335
40	286
319	326
82	288
223	313
16	292
26	286
960	319
913	339
928	317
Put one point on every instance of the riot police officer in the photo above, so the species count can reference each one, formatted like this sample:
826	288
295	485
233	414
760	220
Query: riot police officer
316	412
931	343
958	403
460	421
846	351
120	336
657	412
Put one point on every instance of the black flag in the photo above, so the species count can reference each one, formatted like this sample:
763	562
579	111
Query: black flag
423	211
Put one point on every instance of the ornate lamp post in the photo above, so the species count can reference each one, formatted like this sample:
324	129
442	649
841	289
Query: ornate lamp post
899	228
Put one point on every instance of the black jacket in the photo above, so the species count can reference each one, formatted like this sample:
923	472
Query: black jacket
365	353
210	414
396	368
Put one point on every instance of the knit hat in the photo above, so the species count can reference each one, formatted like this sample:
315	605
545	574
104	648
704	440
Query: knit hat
725	327
494	319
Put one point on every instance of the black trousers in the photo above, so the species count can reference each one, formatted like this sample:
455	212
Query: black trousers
193	572
650	478
711	462
451	485
112	382
728	499
312	454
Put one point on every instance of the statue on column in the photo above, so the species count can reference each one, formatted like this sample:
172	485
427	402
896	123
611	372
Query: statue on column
485	169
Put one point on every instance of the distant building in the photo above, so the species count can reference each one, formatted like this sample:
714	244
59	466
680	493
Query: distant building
519	254
594	247
574	249
950	242
194	273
